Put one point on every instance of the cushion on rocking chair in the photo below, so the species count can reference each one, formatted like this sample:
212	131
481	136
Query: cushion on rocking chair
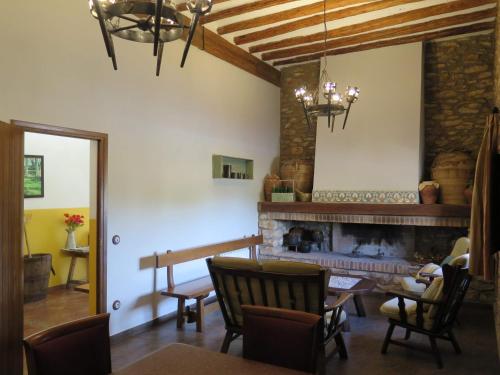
434	292
410	284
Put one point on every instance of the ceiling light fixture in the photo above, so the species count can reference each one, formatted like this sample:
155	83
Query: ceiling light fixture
146	21
334	105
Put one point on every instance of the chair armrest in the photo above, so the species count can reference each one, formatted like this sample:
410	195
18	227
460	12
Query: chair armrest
423	281
413	298
335	304
429	275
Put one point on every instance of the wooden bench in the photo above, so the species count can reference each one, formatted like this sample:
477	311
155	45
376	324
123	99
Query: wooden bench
200	288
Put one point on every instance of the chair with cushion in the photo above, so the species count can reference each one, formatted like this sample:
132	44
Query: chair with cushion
418	283
282	337
433	314
78	348
279	284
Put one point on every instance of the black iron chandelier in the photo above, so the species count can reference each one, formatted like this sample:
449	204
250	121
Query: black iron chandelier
334	105
146	21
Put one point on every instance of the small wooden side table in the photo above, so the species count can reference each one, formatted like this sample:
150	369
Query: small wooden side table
77	252
360	287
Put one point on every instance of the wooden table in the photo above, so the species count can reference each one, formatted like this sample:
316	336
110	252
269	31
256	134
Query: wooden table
79	252
363	286
181	359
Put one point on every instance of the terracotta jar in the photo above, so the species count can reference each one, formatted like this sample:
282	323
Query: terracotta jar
301	171
452	171
429	192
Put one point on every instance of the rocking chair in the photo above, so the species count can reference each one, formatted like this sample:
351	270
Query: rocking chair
433	314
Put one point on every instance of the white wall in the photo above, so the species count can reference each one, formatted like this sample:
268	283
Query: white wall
380	148
66	171
162	134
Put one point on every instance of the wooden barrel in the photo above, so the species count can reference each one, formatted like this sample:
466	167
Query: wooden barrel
452	171
301	171
36	276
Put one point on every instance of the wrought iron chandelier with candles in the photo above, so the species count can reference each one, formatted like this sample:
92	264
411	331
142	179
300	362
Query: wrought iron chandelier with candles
334	105
146	21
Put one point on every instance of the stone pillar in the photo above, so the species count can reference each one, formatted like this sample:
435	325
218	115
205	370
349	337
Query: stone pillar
297	140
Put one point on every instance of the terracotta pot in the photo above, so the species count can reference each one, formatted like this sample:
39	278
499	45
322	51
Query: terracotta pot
468	195
429	192
270	181
301	171
452	171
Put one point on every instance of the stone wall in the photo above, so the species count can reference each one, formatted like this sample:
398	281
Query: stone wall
459	94
297	140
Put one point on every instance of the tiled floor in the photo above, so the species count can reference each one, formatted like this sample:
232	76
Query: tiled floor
475	334
60	306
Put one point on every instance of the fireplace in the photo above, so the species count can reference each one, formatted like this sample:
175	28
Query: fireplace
377	241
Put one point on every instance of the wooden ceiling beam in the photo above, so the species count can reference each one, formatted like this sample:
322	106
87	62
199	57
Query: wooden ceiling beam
379	23
302	11
440	23
217	46
318	19
182	7
483	26
241	9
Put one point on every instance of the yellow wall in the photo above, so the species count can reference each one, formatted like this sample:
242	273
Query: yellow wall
46	234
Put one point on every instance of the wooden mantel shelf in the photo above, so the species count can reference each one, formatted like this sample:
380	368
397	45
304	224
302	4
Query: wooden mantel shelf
413	210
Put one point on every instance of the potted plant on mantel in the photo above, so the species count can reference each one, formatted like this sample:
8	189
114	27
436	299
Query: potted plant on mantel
37	269
284	191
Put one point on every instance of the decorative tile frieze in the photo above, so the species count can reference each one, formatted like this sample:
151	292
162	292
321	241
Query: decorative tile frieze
346	196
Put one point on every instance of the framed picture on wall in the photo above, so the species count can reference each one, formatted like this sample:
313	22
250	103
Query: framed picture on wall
33	176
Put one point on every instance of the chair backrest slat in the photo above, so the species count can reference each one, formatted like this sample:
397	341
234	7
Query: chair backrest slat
250	290
456	283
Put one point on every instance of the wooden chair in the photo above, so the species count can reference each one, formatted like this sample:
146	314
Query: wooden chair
78	348
279	284
434	314
198	289
421	280
282	337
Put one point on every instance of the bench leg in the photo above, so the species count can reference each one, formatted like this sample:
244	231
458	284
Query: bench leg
180	312
200	313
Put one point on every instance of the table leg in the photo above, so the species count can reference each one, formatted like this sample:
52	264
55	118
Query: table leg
88	269
180	312
360	307
200	312
70	272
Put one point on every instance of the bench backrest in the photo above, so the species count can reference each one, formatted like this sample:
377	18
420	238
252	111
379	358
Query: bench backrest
170	258
235	287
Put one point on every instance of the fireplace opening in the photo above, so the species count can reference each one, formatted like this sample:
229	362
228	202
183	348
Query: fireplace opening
377	241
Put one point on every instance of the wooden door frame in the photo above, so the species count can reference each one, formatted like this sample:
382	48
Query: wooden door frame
102	179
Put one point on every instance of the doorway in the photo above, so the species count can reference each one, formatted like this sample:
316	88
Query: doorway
59	230
12	235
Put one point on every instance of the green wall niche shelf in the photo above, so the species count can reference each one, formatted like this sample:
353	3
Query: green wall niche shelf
229	167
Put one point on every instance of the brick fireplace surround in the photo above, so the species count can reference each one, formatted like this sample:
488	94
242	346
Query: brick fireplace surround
275	219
